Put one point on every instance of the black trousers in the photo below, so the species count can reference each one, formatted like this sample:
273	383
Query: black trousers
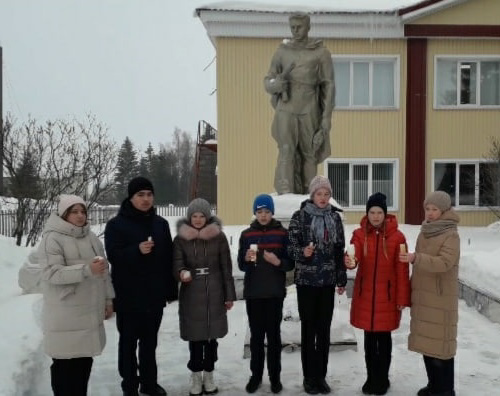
378	351
264	319
316	311
440	374
202	355
70	377
138	330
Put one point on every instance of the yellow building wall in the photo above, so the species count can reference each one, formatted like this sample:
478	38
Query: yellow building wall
246	151
460	133
472	12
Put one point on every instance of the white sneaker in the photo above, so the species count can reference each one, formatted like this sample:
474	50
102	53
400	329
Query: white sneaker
208	383
196	384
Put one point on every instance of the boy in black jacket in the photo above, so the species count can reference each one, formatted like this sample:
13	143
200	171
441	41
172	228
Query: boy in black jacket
263	257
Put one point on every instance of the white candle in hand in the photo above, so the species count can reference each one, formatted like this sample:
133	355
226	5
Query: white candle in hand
254	248
402	248
351	251
185	275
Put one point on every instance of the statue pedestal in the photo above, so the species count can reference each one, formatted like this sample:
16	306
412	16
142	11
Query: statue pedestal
342	335
285	205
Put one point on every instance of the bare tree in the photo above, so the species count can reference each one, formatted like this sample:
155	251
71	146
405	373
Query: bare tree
71	157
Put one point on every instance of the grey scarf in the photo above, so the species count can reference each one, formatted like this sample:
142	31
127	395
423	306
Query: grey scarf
321	218
433	228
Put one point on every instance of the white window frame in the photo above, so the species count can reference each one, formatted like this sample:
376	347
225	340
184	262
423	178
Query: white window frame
370	59
369	162
463	58
458	162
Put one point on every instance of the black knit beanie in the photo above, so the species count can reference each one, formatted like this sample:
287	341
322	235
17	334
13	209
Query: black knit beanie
377	199
138	184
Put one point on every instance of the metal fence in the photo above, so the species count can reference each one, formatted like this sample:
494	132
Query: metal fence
98	215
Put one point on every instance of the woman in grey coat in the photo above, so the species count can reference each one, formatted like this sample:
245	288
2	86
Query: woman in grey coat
77	296
202	262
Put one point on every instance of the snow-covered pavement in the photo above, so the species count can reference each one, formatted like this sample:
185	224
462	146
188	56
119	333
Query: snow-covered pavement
24	369
476	363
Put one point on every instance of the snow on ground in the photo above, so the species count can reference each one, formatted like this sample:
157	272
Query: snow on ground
24	369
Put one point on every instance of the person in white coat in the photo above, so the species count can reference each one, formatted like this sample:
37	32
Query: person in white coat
77	296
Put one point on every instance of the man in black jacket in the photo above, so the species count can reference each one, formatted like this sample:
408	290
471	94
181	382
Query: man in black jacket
139	247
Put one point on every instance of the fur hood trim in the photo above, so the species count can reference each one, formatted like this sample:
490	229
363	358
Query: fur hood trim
186	231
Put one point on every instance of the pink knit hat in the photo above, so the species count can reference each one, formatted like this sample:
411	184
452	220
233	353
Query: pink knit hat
319	182
66	201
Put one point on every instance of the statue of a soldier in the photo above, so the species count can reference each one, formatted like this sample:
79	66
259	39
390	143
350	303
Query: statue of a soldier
300	81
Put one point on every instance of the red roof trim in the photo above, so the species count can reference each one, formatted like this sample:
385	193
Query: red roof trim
452	30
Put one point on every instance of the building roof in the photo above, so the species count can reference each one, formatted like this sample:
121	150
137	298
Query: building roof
313	6
329	18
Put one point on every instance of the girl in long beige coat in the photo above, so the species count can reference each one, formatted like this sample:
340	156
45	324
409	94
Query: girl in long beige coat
434	297
77	296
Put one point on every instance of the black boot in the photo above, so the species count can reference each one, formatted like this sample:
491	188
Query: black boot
367	387
276	386
310	386
381	364
381	386
152	390
323	386
380	379
424	391
253	384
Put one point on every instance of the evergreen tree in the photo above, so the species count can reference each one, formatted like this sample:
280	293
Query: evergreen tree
26	183
164	177
146	162
127	168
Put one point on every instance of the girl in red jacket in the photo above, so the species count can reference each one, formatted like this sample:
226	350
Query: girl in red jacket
381	288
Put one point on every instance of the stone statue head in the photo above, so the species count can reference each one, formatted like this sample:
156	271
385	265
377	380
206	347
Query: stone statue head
301	16
300	24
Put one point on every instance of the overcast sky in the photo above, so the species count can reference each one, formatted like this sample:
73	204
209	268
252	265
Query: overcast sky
137	65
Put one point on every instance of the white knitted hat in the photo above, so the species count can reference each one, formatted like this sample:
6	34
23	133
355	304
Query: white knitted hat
66	201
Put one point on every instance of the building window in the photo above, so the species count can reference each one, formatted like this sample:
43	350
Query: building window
353	181
470	184
366	82
467	83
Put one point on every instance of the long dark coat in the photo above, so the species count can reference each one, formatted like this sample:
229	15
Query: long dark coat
202	313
